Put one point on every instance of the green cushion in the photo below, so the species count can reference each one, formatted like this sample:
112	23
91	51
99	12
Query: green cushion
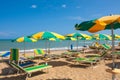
36	68
117	53
106	46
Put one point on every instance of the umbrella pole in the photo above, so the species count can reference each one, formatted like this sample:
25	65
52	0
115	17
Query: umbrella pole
24	49
49	47
84	42
77	43
46	46
113	47
113	58
68	44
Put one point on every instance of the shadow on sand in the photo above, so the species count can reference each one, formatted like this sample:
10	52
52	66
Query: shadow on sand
59	79
79	65
117	65
10	73
16	77
57	63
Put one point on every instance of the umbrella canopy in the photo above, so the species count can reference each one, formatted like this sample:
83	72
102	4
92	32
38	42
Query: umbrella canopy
106	22
70	38
79	36
76	35
47	35
54	39
24	39
102	37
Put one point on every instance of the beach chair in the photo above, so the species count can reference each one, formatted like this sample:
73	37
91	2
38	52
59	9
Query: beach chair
91	59
23	62
38	53
29	69
106	46
5	54
95	45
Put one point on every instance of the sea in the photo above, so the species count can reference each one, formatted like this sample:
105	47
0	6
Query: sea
7	44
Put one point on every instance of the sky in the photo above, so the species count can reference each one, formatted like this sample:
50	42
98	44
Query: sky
26	17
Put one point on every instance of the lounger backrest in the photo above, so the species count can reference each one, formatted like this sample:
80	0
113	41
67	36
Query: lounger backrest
39	51
97	44
14	55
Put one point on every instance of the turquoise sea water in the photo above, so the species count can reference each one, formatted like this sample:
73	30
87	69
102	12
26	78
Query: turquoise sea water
7	44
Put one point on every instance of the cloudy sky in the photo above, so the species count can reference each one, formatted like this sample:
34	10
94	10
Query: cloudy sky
25	17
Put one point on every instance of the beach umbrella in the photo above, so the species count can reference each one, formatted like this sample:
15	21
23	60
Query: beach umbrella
106	22
24	39
102	37
78	36
47	36
70	38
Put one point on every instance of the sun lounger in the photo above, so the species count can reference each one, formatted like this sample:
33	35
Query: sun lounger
106	46
30	70
37	53
14	57
92	60
70	54
25	66
95	45
5	54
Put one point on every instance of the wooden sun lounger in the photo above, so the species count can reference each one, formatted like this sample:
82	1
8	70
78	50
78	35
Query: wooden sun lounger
30	70
25	65
91	60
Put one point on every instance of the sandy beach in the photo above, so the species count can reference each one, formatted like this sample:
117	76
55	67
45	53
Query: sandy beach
63	69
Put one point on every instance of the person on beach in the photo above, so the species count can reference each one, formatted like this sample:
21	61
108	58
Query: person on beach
71	46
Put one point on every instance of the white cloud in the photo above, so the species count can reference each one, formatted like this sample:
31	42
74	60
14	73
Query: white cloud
33	6
64	5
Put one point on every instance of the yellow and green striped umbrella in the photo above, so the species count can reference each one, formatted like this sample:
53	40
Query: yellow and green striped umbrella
101	37
24	39
47	35
70	38
103	23
106	22
78	35
54	39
